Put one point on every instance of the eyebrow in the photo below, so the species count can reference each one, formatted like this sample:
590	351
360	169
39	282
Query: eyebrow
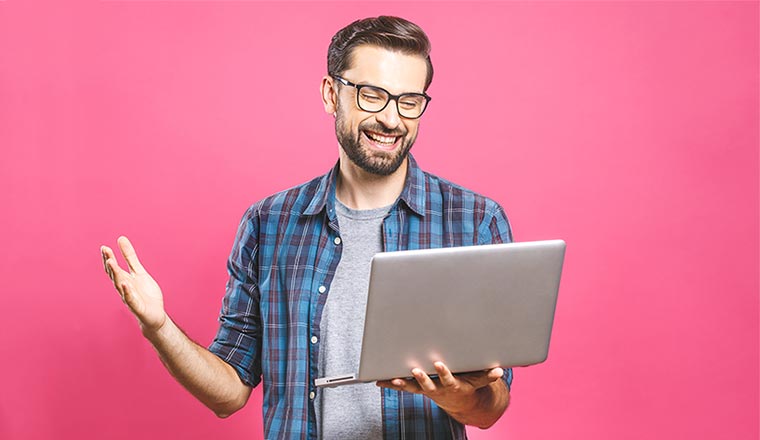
364	83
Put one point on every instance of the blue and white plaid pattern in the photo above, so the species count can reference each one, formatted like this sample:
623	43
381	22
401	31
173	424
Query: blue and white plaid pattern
280	270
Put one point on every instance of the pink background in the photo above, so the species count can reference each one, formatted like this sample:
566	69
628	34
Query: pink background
628	129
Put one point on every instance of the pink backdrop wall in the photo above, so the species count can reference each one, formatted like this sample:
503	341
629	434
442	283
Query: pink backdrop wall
628	129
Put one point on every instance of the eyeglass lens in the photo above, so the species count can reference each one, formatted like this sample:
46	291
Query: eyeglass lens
373	99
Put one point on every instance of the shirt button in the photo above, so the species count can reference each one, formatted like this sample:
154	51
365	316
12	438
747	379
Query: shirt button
312	395
337	240
322	289
314	339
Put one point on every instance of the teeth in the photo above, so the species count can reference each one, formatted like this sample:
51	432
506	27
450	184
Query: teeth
381	139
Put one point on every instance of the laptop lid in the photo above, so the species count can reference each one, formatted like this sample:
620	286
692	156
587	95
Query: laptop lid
473	307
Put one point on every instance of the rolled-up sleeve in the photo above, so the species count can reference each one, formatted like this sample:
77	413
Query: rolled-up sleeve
238	340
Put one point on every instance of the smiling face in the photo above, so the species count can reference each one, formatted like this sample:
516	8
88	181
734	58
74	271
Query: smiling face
377	143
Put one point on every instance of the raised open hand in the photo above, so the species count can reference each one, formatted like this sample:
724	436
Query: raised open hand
138	290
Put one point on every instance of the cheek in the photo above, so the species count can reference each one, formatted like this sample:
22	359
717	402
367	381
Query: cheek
346	117
412	129
346	104
346	125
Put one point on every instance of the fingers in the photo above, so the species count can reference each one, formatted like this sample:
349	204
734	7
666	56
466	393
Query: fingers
130	255
410	386
110	265
424	381
117	275
123	280
496	374
446	382
444	375
105	254
483	378
392	383
476	380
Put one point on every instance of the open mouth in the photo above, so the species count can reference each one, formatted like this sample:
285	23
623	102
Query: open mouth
380	141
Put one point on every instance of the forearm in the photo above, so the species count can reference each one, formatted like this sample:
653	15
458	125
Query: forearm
489	404
211	380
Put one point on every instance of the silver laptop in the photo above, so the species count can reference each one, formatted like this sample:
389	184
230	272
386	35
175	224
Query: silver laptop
472	307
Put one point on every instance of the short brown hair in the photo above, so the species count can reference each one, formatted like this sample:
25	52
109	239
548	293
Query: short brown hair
392	33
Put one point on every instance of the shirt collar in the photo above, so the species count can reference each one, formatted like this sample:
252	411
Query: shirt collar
413	193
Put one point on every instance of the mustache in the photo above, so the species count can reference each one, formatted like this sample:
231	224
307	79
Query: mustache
379	129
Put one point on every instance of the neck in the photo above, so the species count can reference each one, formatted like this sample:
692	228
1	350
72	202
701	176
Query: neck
359	189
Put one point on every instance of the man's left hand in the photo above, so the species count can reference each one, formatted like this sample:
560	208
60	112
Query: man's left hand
455	394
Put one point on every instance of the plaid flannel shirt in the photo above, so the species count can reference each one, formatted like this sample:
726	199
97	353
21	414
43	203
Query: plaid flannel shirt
280	269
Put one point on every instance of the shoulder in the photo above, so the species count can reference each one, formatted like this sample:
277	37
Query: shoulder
458	207
444	194
290	201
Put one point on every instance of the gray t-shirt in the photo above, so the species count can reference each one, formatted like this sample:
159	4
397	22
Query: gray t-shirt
349	411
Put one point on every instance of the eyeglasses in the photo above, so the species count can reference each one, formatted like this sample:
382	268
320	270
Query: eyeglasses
374	99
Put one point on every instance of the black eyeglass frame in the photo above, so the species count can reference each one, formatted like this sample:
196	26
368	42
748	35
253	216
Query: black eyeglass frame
393	97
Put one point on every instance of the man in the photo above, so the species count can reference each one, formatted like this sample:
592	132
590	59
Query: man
299	267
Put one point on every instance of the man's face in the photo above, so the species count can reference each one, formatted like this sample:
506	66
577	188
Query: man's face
379	142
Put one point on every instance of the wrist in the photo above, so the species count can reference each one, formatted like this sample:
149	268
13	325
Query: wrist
158	332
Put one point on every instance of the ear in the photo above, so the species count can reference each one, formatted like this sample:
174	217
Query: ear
329	97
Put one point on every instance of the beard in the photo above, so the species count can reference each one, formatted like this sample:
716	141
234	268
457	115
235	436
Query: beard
381	163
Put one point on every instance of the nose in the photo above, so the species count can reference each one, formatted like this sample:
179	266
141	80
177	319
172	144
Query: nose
389	116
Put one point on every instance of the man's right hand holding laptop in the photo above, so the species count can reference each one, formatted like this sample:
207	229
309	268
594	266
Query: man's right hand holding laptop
477	398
